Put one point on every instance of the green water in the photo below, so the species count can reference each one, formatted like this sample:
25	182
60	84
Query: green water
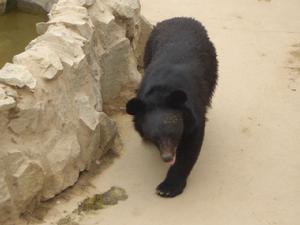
17	29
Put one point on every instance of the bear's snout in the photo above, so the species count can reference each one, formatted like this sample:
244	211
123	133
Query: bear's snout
167	156
167	152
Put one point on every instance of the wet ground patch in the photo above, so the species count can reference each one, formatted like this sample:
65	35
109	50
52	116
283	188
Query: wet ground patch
293	65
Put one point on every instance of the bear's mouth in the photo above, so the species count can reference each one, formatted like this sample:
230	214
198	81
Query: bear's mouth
168	158
167	152
171	163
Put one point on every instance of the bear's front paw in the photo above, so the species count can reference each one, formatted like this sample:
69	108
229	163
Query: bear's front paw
169	189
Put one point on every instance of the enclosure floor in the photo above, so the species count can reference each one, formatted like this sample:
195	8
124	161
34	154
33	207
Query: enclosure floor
248	171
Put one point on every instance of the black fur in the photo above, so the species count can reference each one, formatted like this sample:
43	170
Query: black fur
180	78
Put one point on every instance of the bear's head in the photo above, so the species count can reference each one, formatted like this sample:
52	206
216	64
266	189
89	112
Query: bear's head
161	124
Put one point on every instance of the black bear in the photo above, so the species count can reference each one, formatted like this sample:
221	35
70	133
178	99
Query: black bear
169	110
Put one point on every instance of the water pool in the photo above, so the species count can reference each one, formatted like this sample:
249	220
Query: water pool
17	29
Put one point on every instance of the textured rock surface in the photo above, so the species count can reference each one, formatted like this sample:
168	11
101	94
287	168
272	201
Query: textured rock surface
139	41
124	8
6	102
53	98
45	61
17	75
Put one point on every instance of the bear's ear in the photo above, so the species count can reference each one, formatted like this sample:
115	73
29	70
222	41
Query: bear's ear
135	106
176	98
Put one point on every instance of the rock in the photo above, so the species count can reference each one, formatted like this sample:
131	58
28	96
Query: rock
84	62
63	152
114	77
73	16
87	3
13	160
41	28
124	8
8	91
19	171
6	206
2	93
87	114
23	188
105	23
6	102
139	43
108	131
17	75
41	61
64	42
27	119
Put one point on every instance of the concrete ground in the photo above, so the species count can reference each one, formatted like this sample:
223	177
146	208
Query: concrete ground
249	167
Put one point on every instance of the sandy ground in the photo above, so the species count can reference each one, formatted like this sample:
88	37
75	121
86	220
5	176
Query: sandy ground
249	168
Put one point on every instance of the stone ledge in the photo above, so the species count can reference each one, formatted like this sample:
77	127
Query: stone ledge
51	98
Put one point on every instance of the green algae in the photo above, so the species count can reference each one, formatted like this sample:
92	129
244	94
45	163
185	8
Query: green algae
99	201
91	204
68	220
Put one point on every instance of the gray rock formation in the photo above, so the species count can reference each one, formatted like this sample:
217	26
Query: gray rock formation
53	97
